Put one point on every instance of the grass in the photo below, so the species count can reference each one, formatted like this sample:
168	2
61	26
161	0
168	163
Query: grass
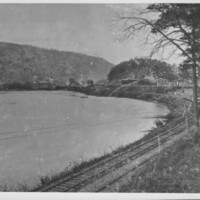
175	170
18	188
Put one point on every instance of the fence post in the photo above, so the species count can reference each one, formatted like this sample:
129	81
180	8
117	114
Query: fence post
159	142
186	118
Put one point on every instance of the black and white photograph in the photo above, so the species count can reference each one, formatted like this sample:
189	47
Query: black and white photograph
100	98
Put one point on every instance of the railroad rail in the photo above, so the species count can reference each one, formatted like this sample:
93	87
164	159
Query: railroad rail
100	176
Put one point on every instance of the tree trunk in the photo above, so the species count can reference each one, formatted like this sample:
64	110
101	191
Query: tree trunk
195	97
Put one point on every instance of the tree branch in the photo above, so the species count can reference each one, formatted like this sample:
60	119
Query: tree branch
146	22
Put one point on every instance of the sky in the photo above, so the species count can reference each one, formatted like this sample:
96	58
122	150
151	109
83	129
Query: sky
86	28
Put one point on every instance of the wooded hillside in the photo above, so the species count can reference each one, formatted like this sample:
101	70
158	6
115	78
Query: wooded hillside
142	68
24	63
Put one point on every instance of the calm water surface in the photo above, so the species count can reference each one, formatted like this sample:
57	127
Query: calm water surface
41	132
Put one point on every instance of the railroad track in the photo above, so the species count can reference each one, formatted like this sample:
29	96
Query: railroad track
108	171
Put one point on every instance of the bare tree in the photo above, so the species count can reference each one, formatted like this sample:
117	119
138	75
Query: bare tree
175	26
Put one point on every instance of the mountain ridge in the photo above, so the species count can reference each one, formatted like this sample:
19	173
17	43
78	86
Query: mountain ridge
27	63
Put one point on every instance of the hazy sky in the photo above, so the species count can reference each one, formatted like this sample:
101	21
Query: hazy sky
85	28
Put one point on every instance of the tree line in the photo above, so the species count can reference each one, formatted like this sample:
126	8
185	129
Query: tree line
143	68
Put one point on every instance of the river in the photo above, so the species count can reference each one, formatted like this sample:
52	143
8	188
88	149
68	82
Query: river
42	132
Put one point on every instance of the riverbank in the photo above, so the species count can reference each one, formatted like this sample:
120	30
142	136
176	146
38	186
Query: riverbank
84	165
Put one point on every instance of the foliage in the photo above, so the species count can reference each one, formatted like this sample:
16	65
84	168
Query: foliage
185	73
141	68
122	70
181	22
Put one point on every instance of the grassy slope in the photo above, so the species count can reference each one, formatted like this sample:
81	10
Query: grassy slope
177	169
